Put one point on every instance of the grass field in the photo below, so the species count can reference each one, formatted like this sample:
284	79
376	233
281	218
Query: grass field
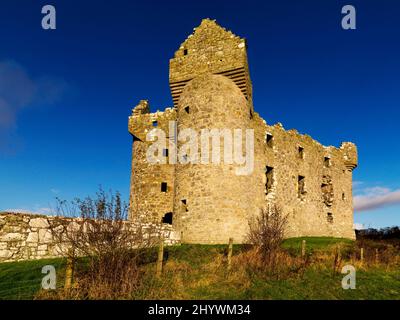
199	272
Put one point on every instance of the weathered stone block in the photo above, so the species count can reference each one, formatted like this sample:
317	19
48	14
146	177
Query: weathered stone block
32	237
39	223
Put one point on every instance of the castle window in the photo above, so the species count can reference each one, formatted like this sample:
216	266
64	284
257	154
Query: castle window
269	140
184	205
155	123
164	187
301	186
343	196
329	217
251	114
165	152
300	152
185	52
167	218
187	109
269	172
327	162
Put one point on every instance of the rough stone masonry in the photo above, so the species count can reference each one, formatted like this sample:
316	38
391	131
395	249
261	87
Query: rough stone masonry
28	236
211	88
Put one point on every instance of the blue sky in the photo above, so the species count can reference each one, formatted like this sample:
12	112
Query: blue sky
66	94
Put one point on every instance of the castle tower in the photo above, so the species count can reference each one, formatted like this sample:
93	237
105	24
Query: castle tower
210	49
211	88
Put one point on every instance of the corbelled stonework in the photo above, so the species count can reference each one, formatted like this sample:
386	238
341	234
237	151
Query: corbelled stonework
208	203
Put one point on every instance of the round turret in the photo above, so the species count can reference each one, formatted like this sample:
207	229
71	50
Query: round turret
211	200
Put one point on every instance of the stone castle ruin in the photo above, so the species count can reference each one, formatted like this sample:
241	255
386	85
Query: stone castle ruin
207	203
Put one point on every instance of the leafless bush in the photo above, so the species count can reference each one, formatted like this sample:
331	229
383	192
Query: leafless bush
111	248
266	233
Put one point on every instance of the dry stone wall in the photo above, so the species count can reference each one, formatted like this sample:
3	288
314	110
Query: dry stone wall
28	236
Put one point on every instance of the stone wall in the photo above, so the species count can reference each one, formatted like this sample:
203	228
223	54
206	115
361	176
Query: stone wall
27	236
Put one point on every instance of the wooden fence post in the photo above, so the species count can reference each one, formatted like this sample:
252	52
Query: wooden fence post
362	254
230	249
160	258
337	259
69	270
339	250
303	248
376	256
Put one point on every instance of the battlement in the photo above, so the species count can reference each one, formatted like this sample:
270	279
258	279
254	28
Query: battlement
350	155
210	49
142	121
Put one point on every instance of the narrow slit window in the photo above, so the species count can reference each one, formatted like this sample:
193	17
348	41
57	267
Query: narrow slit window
185	52
327	162
301	186
269	140
165	152
269	175
329	217
187	109
155	123
164	187
184	204
300	152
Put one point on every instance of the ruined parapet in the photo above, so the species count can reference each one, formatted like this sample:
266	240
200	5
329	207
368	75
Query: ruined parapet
138	122
142	107
350	155
210	49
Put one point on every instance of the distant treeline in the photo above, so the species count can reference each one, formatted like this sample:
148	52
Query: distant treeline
390	233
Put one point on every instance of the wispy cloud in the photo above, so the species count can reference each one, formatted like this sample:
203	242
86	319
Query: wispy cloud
358	226
45	211
19	91
54	191
374	198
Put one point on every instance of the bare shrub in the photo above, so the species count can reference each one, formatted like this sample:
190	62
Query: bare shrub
111	248
266	233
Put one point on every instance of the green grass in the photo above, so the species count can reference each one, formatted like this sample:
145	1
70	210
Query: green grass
314	243
196	272
322	285
21	280
314	285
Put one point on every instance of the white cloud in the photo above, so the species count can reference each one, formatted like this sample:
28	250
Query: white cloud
54	191
358	226
374	198
45	211
18	91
